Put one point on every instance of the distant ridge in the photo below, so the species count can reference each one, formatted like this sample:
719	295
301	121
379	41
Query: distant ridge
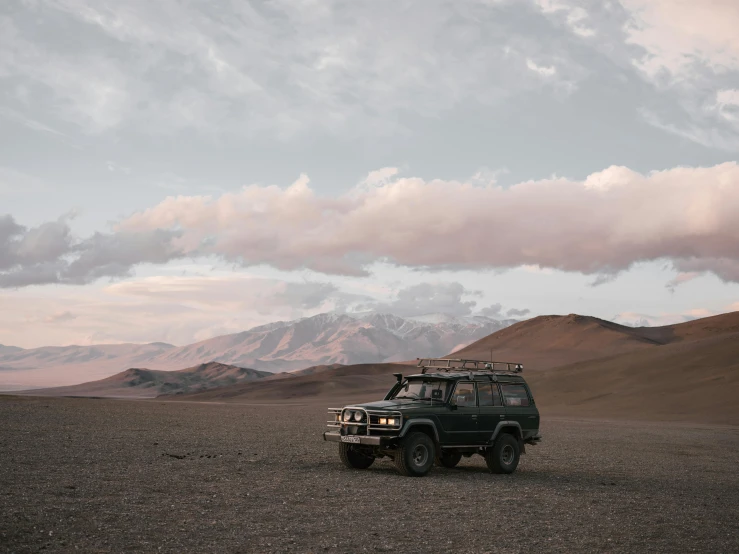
149	383
9	349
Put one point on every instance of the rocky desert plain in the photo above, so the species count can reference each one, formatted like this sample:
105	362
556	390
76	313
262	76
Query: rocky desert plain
640	453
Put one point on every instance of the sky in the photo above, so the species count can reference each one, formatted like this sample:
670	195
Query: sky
175	170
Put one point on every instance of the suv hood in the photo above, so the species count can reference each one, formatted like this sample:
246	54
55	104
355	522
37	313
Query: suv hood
399	404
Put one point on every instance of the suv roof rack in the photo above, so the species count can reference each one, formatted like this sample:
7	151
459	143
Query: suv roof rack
451	364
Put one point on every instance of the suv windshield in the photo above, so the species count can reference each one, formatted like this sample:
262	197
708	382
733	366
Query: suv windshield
420	389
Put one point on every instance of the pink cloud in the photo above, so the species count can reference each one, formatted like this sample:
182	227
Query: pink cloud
677	33
604	224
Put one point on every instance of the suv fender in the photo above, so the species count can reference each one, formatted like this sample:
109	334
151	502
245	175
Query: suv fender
415	423
515	425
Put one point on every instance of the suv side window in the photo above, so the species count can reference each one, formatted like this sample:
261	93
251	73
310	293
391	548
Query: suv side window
464	395
488	394
515	395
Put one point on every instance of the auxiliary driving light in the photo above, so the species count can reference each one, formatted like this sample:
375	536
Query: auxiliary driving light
383	421
391	421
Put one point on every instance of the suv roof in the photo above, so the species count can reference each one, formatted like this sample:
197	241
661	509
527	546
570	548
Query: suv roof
501	376
449	364
475	370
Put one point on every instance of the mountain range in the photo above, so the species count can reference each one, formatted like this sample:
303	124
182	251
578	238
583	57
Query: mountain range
576	365
282	346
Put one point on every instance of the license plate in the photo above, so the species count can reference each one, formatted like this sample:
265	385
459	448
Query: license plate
349	438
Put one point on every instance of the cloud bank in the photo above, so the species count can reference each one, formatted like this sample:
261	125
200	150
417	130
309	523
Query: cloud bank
602	225
599	226
263	68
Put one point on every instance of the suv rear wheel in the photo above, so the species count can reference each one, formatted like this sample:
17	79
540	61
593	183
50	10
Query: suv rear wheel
354	458
415	455
503	456
448	458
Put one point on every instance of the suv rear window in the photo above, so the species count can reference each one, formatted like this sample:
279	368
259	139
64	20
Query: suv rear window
515	395
488	394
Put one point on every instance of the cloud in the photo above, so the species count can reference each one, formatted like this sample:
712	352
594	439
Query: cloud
726	268
518	313
50	253
689	52
682	278
260	295
599	226
544	71
634	319
114	167
429	298
228	67
727	104
494	310
575	17
604	278
60	317
32	247
176	309
680	34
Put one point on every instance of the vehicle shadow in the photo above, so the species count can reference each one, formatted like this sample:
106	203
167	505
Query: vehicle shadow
545	478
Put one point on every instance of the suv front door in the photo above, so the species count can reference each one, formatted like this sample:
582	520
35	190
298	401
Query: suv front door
459	420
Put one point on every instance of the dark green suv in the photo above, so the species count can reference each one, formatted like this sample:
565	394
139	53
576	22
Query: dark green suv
453	408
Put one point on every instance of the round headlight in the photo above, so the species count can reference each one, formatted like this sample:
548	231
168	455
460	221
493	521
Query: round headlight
347	415
358	416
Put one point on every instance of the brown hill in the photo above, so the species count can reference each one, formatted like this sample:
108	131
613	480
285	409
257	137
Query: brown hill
149	383
686	380
550	341
350	381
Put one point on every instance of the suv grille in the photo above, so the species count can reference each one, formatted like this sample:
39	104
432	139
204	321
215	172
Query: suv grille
367	422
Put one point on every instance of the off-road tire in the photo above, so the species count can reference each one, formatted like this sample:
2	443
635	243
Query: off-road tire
354	459
449	459
415	455
504	455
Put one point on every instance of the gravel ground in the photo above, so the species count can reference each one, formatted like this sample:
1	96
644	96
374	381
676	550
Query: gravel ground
148	476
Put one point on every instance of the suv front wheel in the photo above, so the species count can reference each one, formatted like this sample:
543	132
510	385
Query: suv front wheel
503	456
415	455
